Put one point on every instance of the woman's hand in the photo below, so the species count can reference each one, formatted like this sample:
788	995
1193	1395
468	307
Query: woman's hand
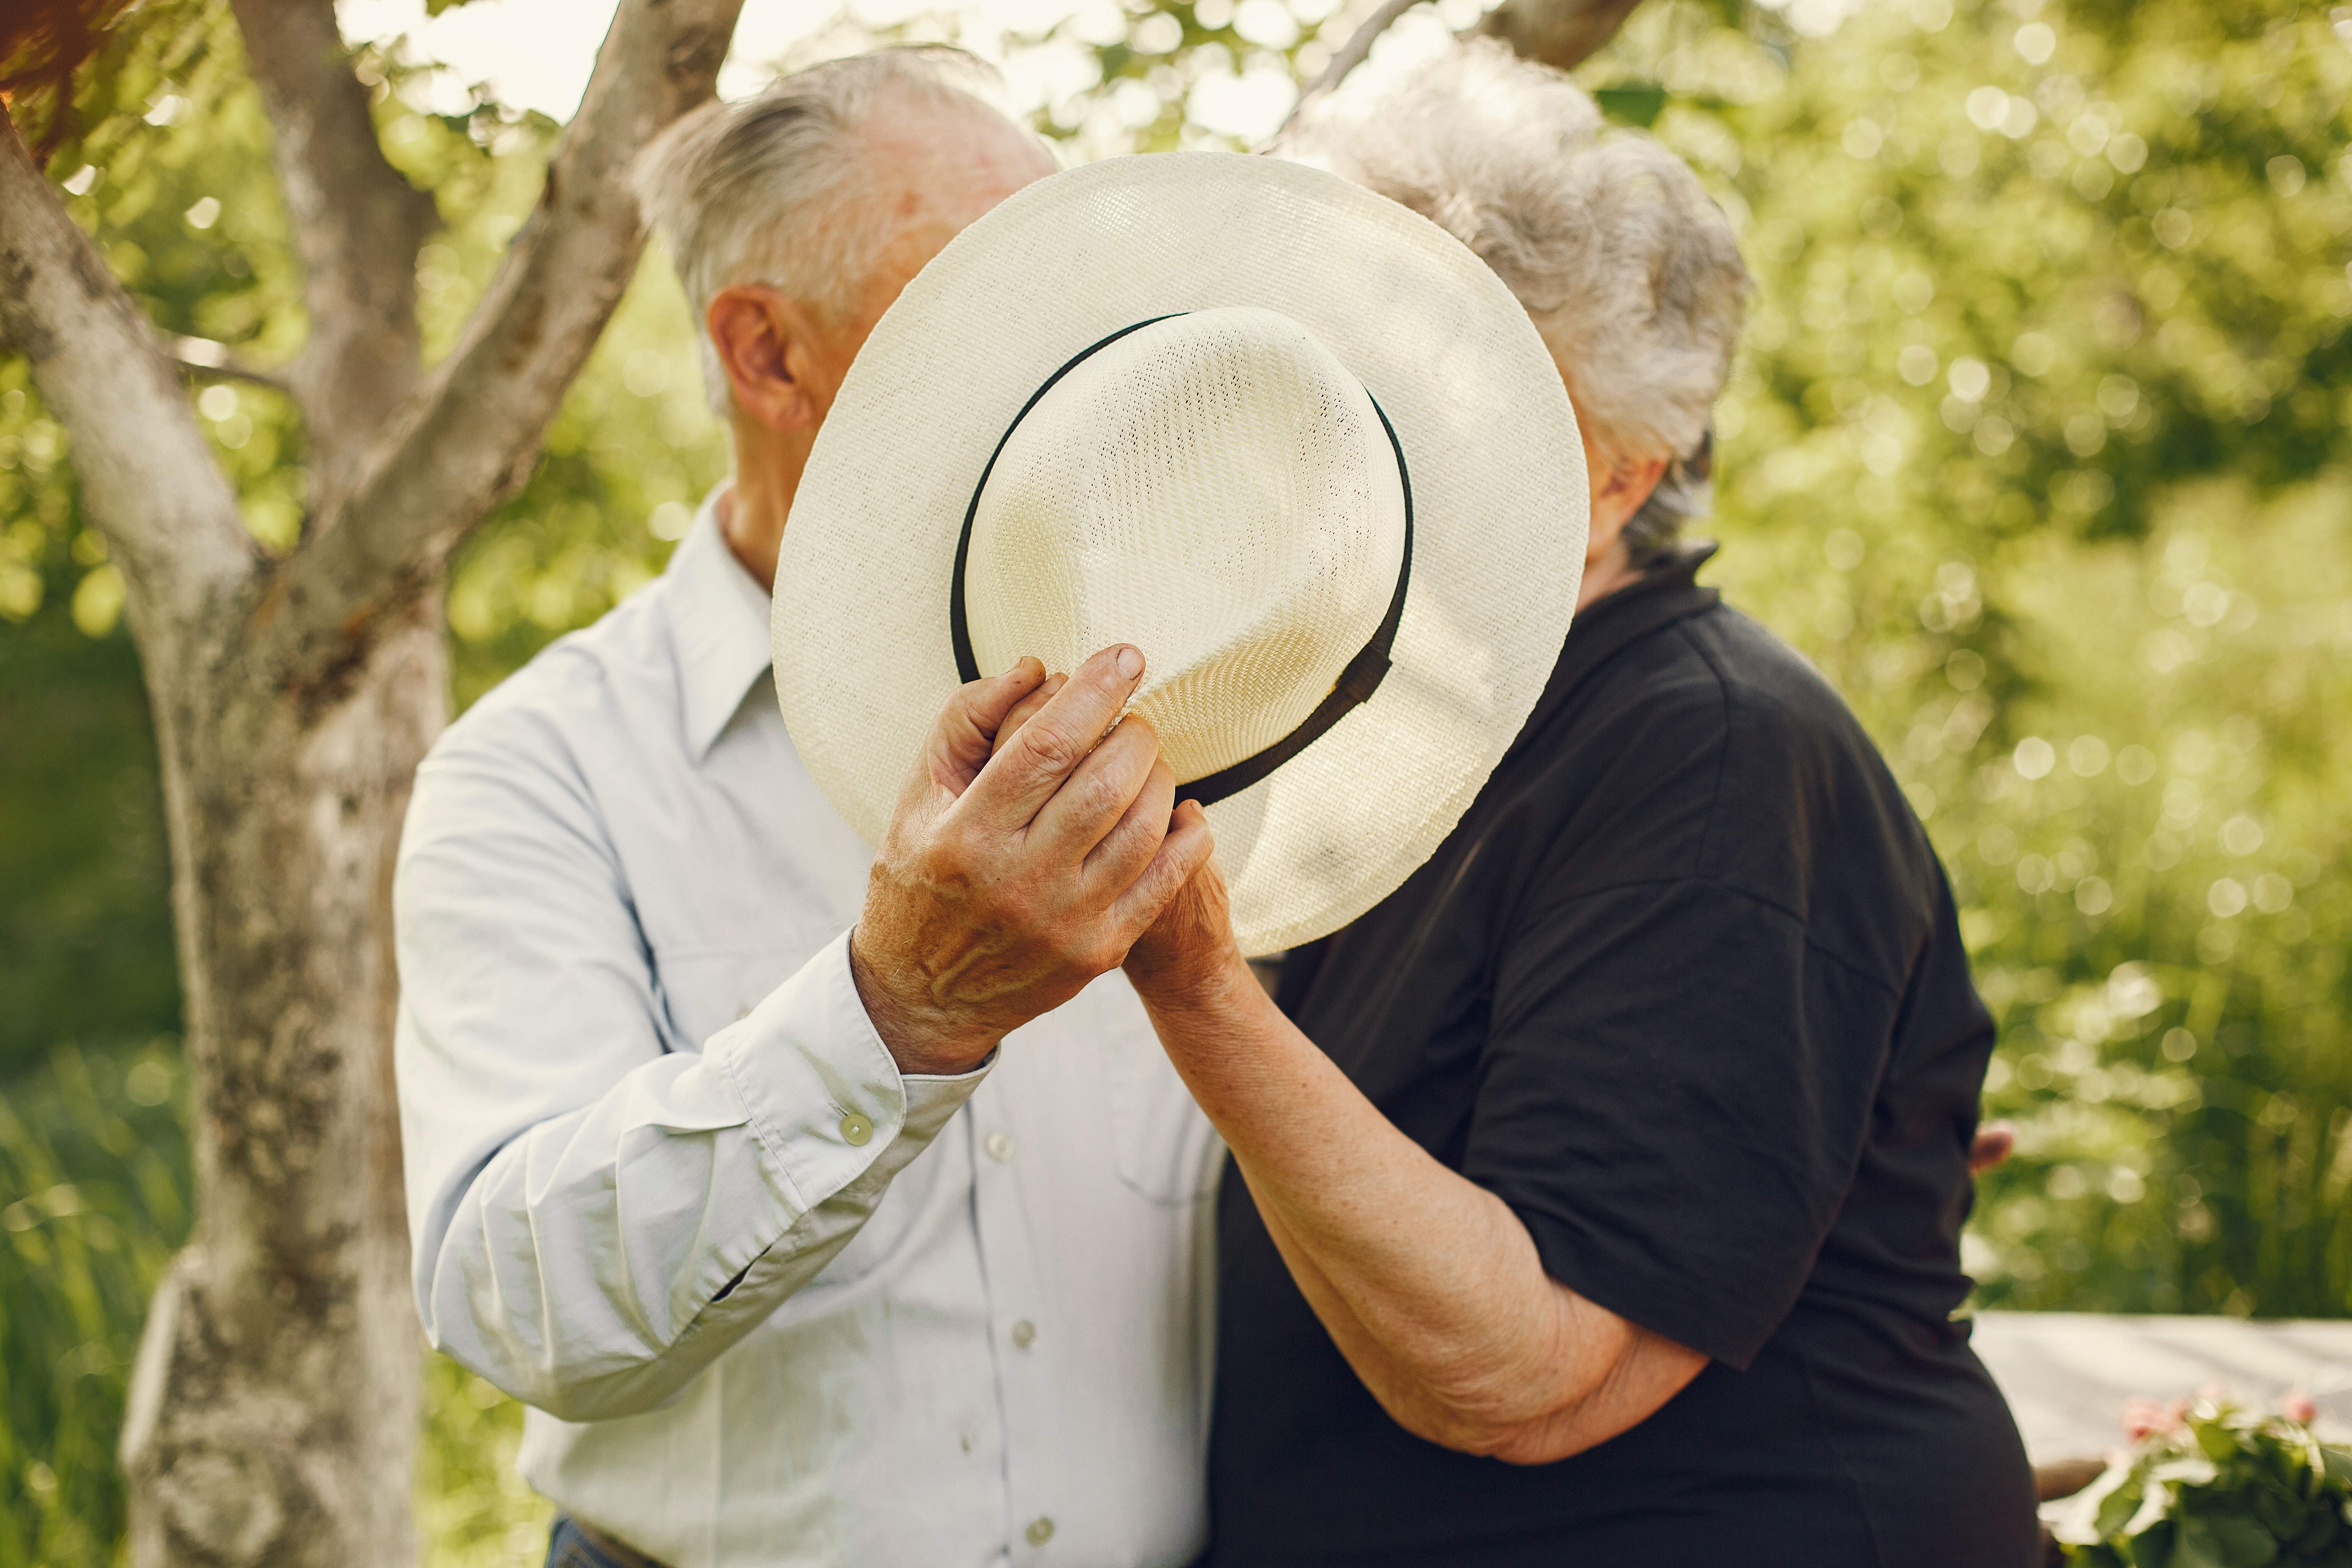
1188	957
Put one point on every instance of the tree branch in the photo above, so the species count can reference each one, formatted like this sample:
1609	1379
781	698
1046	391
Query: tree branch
357	228
1348	57
203	356
168	515
1557	33
472	437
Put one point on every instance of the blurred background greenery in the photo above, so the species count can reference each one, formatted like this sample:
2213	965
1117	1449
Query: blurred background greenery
2037	445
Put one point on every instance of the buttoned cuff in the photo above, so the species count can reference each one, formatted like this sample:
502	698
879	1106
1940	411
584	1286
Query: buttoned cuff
820	1089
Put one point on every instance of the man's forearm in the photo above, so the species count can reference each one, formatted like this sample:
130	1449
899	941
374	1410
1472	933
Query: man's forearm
603	1255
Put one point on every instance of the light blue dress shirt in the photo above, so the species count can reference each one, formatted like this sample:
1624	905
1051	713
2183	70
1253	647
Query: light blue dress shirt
773	1302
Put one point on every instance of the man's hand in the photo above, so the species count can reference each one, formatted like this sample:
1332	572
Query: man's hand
1014	875
1190	948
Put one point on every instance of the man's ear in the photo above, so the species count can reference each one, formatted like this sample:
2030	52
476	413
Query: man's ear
767	343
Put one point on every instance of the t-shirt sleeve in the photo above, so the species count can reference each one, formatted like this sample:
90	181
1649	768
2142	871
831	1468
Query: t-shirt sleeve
1662	1106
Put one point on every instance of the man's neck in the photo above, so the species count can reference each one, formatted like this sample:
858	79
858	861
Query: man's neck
751	513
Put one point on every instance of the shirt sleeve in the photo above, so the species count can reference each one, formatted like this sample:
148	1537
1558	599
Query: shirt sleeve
1660	1107
596	1216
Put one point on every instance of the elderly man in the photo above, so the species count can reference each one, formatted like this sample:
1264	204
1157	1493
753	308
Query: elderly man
1603	1185
661	1116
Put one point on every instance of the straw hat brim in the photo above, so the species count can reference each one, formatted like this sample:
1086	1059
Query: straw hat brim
863	653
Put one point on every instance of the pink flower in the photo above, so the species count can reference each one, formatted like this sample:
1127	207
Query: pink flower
2300	1408
2144	1417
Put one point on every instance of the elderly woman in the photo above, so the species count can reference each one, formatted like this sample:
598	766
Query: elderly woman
1604	1187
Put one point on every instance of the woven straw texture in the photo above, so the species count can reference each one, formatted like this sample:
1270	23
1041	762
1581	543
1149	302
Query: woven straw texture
1215	488
1218	494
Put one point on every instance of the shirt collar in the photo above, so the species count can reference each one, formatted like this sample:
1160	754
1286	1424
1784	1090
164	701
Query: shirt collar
718	620
1663	595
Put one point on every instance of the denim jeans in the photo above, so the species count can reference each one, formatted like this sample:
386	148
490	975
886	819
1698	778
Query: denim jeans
568	1546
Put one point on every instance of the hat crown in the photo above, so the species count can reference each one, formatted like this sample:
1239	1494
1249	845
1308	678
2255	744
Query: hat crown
1216	488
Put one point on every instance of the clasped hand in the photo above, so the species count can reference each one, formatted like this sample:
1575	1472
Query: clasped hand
1034	843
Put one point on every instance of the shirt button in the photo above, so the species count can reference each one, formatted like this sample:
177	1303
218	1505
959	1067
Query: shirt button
1041	1531
1025	1334
855	1129
998	1146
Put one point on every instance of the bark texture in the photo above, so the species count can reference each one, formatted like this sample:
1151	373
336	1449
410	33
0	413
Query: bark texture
273	1406
273	1409
1558	33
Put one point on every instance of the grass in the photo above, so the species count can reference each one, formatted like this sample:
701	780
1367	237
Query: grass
94	1174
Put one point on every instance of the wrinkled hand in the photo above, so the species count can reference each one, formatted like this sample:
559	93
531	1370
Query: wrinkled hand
1188	959
1012	875
1189	950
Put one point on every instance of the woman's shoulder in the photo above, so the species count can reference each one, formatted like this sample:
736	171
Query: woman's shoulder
1769	687
1713	691
1714	752
1808	814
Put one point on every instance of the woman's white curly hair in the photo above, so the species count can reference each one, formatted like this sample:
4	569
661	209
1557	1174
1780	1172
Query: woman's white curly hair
1630	272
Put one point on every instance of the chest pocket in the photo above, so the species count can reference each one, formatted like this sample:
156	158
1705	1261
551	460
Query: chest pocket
705	992
1167	1152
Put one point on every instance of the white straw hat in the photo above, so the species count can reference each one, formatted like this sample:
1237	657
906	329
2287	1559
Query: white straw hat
1292	440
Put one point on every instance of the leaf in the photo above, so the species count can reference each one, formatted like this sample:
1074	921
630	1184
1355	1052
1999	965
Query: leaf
2190	1469
2318	1531
2081	1519
2114	1509
2195	1547
2338	1462
2159	1505
2153	1550
1634	102
2282	1515
2245	1542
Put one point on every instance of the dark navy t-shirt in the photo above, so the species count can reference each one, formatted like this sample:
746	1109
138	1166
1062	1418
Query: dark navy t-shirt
1685	989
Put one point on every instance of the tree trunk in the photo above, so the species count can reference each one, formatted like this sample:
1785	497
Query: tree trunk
273	1410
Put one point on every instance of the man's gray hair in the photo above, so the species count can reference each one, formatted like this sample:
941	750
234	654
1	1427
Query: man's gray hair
1631	274
768	190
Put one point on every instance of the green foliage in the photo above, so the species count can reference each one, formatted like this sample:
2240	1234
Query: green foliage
94	1158
93	1183
2217	1486
633	451
472	1508
2037	444
1636	103
85	931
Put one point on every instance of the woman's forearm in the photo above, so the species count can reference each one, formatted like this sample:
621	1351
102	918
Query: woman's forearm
1428	1283
1473	1425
